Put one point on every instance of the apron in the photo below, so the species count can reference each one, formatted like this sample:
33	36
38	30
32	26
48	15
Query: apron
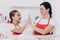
41	26
15	33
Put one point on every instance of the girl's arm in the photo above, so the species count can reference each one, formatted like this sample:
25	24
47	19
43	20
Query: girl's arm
21	29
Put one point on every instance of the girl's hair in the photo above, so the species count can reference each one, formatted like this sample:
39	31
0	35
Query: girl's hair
12	13
47	5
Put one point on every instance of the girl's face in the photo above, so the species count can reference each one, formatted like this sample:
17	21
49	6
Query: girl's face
17	17
43	10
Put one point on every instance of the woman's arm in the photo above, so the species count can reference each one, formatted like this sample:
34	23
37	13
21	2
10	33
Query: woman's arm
45	31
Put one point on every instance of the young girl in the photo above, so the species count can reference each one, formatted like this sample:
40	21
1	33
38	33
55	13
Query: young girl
15	17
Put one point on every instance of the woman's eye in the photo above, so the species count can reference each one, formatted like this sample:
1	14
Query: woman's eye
18	14
41	9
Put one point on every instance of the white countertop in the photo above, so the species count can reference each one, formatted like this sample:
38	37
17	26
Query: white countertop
30	37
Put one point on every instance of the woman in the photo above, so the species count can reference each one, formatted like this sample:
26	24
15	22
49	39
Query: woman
15	17
45	24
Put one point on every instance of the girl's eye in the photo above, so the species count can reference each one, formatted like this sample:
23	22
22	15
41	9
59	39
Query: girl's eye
18	14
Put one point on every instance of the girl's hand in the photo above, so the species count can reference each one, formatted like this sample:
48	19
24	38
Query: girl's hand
29	19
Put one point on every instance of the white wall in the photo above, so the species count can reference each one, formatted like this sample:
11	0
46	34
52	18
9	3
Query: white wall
57	16
5	5
28	3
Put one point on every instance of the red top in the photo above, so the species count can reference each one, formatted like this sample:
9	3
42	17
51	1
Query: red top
41	26
15	33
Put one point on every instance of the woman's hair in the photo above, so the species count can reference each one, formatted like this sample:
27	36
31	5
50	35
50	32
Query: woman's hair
47	5
12	13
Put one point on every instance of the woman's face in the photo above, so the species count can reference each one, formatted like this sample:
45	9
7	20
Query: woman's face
43	10
17	17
